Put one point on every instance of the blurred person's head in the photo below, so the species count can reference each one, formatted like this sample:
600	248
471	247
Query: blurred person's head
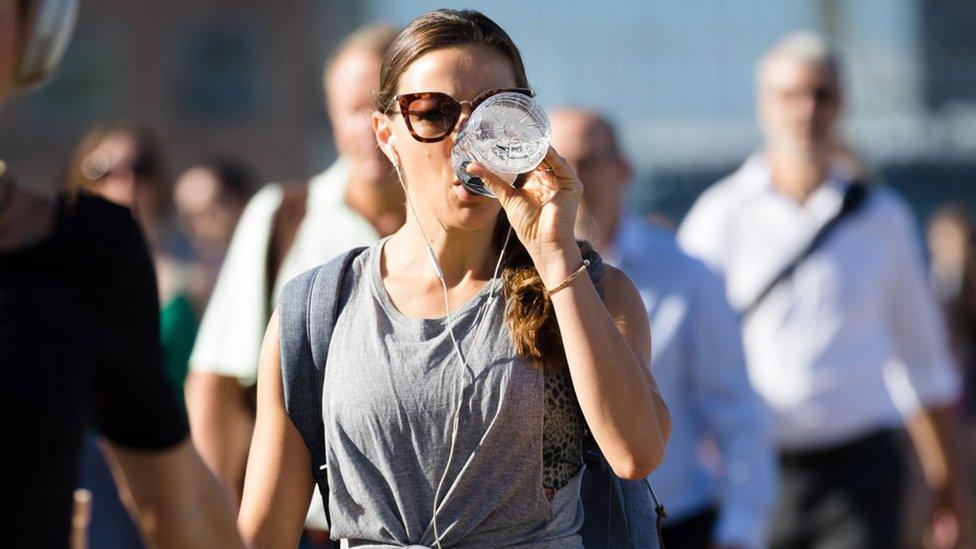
799	96
588	142
123	164
350	78
209	198
948	235
460	55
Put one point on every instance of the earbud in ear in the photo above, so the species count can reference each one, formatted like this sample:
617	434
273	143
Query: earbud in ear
394	157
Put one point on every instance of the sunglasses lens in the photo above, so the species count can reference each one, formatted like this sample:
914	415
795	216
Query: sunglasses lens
433	117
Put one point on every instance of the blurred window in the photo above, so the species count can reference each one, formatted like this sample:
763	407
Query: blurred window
218	72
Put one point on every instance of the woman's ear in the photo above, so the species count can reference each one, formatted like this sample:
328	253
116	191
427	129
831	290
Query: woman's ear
383	129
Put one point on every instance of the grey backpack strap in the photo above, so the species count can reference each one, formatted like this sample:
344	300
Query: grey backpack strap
618	513
307	312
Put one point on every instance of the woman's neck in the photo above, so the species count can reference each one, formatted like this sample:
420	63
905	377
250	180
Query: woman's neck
462	255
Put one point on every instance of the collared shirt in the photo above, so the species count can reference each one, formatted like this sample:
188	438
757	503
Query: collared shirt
229	341
857	311
700	369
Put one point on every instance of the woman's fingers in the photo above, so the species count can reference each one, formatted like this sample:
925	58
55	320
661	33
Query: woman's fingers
551	177
555	167
501	189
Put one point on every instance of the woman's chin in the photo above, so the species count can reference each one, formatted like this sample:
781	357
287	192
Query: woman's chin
474	214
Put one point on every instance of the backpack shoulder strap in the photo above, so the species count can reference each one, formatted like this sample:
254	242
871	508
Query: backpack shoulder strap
307	312
596	270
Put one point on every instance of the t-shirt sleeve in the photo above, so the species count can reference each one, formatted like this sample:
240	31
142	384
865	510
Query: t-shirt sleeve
134	403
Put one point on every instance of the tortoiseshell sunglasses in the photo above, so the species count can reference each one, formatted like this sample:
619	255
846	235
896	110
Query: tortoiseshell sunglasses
432	116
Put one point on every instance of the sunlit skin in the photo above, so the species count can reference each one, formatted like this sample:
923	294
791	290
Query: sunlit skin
451	216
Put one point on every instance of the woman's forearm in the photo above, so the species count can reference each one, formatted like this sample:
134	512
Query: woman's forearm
616	392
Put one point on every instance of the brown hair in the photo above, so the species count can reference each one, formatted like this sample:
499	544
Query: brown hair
529	313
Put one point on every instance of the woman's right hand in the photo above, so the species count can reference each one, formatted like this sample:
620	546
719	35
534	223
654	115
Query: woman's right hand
543	214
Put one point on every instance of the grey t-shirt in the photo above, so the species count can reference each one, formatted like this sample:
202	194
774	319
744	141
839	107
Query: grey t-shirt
391	388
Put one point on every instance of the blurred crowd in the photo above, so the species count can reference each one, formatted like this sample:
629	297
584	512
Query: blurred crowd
818	356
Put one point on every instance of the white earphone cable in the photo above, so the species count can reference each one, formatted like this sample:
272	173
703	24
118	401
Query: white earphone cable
479	320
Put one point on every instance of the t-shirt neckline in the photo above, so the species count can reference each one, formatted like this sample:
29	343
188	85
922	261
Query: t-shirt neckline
396	316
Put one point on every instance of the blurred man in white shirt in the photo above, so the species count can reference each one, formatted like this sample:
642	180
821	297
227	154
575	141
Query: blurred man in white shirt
284	231
697	356
821	342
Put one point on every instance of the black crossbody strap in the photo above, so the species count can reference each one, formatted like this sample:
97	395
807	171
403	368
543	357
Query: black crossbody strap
854	198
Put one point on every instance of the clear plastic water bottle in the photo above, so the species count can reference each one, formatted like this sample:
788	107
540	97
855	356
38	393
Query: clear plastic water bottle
508	133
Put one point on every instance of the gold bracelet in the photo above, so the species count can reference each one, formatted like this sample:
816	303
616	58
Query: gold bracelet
569	279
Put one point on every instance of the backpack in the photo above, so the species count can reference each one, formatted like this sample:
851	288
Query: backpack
617	513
